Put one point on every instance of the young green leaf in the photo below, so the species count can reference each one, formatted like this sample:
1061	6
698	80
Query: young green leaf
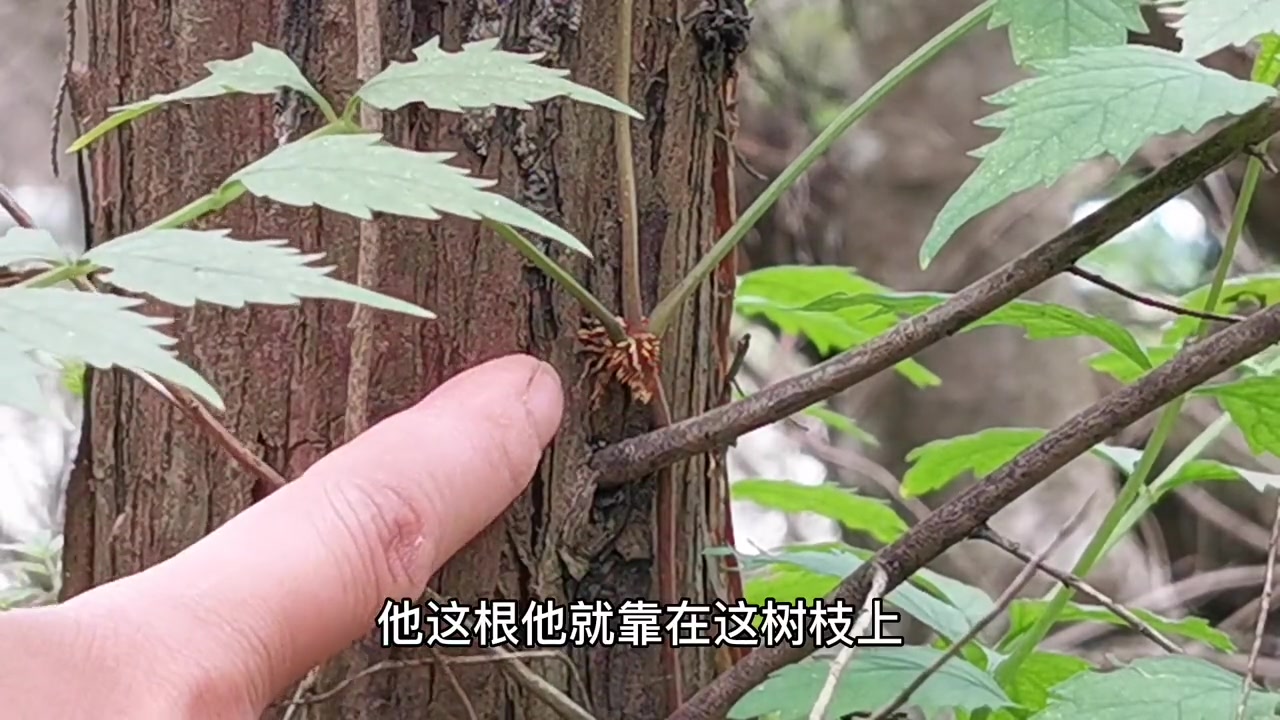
1156	688
1046	29
73	377
359	175
855	512
872	679
1206	26
22	245
1266	67
937	463
478	76
1094	102
1254	405
1024	613
182	266
780	293
263	71
1040	321
94	328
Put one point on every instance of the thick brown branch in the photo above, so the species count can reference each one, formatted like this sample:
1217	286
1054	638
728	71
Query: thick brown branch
957	519
642	455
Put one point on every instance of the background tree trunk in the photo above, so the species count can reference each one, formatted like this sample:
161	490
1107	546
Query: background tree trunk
149	484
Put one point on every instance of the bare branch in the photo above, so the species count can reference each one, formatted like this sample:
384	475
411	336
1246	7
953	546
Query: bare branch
1125	292
1024	576
957	519
642	455
1264	609
1079	585
10	204
828	692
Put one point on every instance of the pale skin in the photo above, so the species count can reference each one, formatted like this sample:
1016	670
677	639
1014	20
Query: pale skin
224	628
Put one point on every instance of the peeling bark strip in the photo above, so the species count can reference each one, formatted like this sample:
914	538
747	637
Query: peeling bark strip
641	455
958	519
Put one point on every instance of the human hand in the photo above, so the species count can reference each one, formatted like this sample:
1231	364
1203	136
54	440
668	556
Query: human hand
221	629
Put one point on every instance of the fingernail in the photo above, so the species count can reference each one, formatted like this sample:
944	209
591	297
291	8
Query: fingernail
544	401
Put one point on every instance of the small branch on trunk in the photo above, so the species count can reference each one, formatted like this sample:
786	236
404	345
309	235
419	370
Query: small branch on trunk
957	519
642	455
828	692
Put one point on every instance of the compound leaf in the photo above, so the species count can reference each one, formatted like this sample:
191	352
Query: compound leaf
1206	26
1045	29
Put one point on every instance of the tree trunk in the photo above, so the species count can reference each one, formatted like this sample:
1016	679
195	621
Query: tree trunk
151	483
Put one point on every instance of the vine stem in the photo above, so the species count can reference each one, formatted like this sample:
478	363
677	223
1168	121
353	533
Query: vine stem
632	304
666	309
1112	528
540	260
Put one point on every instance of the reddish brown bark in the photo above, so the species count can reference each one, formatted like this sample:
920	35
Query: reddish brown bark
151	484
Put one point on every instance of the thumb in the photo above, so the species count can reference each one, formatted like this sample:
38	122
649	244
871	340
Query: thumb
296	578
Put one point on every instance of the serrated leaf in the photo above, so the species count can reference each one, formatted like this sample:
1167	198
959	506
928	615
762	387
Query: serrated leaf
779	293
873	677
23	245
1254	405
263	71
1094	102
1206	26
1266	67
480	75
937	463
96	329
855	512
1040	321
1157	688
358	175
1024	613
182	266
1045	29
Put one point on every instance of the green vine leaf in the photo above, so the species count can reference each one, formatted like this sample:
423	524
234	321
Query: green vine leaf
1240	295
1254	405
779	294
479	76
1266	67
96	329
1206	26
855	512
1040	321
182	266
1032	686
1123	367
23	245
1157	688
1094	102
873	677
1024	613
1047	29
358	175
841	424
263	71
937	463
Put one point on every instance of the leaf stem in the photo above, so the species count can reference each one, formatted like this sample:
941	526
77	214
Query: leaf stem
632	304
1111	529
544	263
665	311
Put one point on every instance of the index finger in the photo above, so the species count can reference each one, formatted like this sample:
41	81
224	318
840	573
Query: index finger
296	578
